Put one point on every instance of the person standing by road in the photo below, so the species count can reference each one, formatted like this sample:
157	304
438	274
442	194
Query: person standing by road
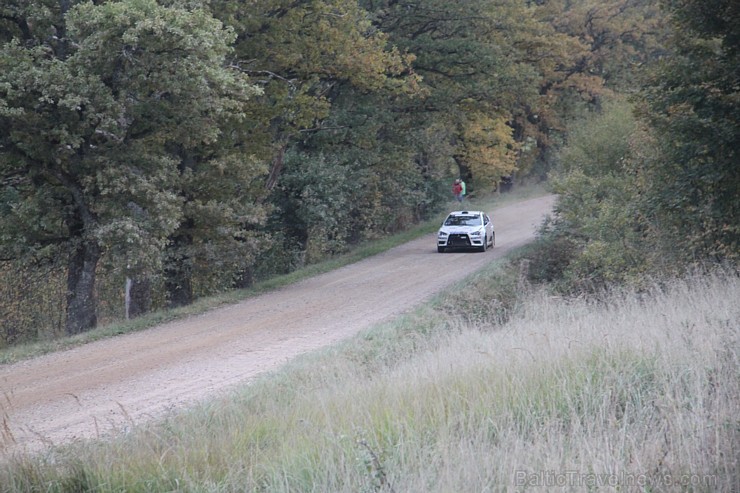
457	190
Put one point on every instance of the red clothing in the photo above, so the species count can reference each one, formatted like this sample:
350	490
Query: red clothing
456	188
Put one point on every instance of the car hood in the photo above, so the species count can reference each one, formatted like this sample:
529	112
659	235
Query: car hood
459	229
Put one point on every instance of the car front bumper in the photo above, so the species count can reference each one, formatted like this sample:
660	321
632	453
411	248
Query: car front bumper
460	241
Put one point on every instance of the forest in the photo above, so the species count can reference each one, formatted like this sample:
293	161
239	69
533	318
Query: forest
168	150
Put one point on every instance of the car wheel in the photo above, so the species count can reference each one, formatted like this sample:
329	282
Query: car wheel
483	247
440	249
493	240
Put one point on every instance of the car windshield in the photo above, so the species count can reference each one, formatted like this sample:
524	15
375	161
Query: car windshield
463	221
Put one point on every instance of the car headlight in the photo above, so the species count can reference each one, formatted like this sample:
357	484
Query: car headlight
476	233
441	234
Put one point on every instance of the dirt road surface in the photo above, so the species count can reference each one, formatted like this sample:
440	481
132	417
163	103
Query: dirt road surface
106	386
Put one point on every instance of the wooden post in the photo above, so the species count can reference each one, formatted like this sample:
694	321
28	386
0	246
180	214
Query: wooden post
128	296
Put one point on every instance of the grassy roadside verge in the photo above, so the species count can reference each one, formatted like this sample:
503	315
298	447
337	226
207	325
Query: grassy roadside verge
20	352
636	392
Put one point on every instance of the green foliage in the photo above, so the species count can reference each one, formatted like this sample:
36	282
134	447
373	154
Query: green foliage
691	101
89	123
328	77
317	201
298	52
550	257
475	75
591	50
634	199
597	218
615	38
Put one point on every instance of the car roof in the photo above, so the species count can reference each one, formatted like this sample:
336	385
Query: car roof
465	213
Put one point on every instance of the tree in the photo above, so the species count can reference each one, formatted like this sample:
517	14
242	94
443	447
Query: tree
472	61
298	52
615	38
597	195
95	100
691	102
327	74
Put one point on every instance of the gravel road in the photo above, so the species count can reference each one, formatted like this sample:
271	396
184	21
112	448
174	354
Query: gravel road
105	386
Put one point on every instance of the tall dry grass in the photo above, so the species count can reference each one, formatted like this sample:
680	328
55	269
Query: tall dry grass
635	392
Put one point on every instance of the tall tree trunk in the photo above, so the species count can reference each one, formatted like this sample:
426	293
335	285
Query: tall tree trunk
83	262
81	306
276	168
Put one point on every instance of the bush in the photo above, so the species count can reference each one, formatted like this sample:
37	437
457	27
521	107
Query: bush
598	236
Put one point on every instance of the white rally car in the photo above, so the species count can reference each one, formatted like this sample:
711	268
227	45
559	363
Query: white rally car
466	229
